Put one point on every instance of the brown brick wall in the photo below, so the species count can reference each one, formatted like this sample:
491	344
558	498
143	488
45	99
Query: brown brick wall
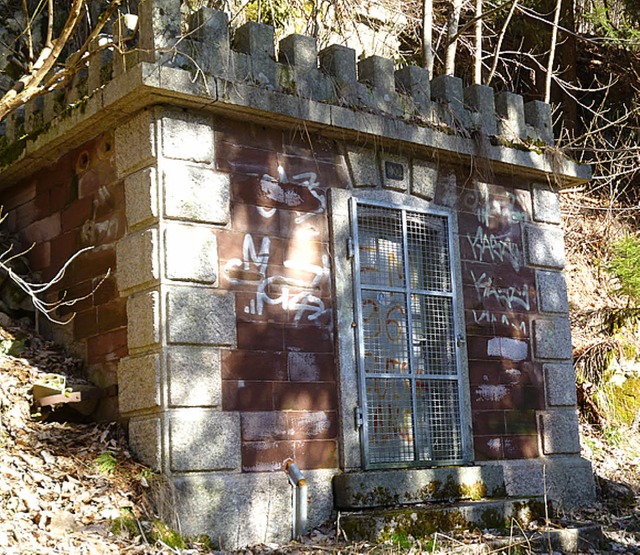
500	300
76	203
275	257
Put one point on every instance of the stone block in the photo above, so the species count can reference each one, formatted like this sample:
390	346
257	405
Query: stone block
139	383
365	170
141	198
566	480
448	89
197	263
552	292
396	172
194	377
559	431
263	498
320	508
362	490
99	68
377	72
210	29
560	384
447	183
510	108
204	440
137	260
424	178
135	143
339	62
186	186
479	98
255	39
33	114
200	316
552	338
544	247
300	51
264	426
145	440
538	115
546	206
414	81
143	315
187	136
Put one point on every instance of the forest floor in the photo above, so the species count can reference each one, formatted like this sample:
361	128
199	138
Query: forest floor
76	489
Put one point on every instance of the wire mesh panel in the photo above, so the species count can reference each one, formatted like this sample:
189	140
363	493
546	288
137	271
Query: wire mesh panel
434	339
438	416
384	319
408	354
390	420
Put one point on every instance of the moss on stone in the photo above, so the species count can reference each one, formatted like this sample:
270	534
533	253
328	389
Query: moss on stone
475	491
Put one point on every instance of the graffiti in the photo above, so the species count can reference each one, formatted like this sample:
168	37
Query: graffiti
509	297
286	192
393	318
390	418
293	294
486	206
375	270
495	248
482	317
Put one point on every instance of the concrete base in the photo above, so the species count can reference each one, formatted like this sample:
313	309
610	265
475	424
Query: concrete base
236	510
567	480
420	521
360	490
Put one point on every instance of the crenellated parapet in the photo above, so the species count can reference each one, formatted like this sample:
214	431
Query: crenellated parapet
327	88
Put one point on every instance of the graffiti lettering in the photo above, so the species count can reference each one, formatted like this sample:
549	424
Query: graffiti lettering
297	295
486	206
482	317
495	248
509	297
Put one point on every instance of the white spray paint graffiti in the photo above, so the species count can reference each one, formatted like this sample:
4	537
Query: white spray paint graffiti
273	189
506	347
509	297
291	294
481	317
496	248
485	207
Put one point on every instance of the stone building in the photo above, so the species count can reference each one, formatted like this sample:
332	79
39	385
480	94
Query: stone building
310	258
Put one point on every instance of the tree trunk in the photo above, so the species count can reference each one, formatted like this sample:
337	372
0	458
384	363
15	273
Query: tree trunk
427	35
452	41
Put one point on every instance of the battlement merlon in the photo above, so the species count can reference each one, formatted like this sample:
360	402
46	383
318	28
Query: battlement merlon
327	91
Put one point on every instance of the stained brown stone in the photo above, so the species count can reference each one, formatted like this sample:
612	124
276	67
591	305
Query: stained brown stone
488	448
260	337
247	396
316	454
311	367
304	396
491	422
521	447
254	365
308	338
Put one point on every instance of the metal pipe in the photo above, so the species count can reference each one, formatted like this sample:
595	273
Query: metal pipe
300	491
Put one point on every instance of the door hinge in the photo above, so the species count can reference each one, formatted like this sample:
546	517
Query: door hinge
350	248
358	417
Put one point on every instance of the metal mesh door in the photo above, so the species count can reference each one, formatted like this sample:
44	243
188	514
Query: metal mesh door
407	337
